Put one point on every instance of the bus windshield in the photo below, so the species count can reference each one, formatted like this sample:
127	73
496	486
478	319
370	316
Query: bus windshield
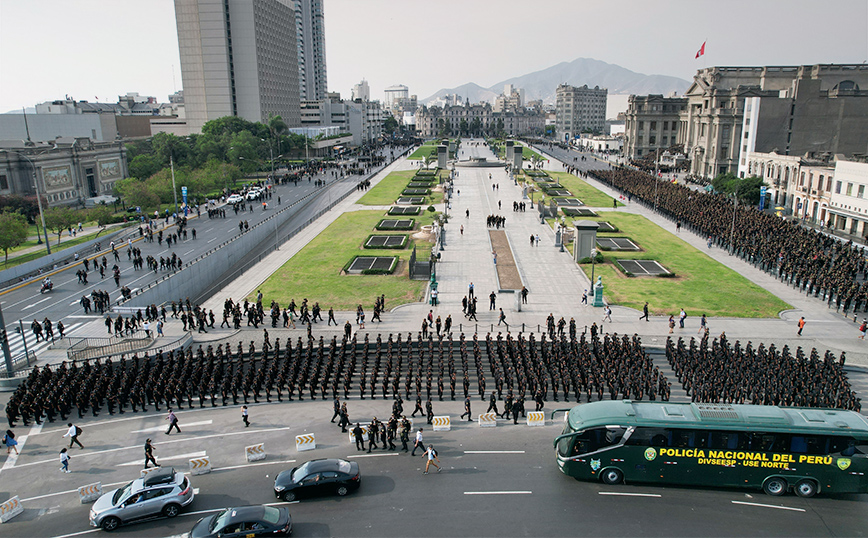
595	439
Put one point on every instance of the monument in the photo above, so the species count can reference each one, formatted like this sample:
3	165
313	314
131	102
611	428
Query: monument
586	238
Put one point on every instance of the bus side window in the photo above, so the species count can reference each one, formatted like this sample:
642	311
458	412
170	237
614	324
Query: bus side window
724	440
798	445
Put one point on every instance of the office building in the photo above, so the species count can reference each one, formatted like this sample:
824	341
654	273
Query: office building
238	58
580	110
310	41
361	91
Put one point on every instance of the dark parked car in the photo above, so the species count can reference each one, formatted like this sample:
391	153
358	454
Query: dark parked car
318	477
245	521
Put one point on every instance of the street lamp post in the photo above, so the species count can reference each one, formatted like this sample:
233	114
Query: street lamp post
174	189
38	198
732	229
593	260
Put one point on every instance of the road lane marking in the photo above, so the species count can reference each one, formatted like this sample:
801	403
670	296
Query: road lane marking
78	533
498	492
212	240
105	486
769	506
373	455
173	441
36	303
245	466
622	494
494	451
166	458
186	425
12	459
189	251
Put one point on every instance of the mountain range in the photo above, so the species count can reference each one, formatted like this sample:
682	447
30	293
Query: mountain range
543	84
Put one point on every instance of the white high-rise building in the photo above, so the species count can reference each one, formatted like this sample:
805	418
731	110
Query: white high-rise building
394	95
361	91
238	58
310	39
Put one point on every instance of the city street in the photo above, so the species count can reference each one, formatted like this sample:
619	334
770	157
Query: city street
499	481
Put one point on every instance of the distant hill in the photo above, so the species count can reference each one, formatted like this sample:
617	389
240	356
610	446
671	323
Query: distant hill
543	84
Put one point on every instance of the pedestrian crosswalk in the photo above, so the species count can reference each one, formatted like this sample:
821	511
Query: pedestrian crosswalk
16	342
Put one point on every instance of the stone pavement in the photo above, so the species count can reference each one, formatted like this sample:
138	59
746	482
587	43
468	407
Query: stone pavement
554	281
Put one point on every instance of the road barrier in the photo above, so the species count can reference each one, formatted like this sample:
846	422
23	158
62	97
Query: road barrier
89	493
305	442
536	418
488	420
200	465
145	472
442	424
364	427
10	509
255	452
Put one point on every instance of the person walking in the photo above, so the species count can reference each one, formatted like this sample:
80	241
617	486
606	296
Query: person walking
357	434
173	422
64	461
703	324
337	408
418	443
681	317
801	325
607	313
467	409
501	318
644	312
245	416
73	432
10	442
671	324
149	454
405	439
432	455
863	328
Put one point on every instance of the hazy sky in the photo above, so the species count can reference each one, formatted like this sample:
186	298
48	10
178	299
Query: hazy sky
104	48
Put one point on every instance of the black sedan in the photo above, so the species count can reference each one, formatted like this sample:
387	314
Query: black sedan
318	477
246	521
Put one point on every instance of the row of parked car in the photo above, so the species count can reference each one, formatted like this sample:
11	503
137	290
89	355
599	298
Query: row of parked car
251	194
165	492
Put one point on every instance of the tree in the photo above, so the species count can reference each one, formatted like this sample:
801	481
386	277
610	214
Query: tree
13	230
101	214
144	166
747	190
462	126
277	126
390	125
137	194
61	218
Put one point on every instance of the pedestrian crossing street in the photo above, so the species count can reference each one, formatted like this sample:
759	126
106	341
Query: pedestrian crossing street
16	342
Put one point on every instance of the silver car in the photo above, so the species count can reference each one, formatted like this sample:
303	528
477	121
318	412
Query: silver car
162	492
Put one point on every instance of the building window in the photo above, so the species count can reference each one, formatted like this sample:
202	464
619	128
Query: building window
861	192
641	125
4	183
802	180
665	125
702	130
653	125
652	140
837	187
849	189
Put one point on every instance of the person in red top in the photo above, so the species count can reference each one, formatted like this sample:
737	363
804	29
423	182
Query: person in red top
801	325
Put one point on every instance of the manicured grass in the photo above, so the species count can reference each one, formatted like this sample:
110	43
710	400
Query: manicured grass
24	258
428	149
583	191
315	271
701	285
388	189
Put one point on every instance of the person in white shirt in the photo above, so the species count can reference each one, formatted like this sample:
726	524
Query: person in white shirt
432	455
418	444
73	434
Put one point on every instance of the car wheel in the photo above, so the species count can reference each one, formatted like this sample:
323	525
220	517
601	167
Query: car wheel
110	523
171	510
612	476
775	486
289	496
806	488
342	490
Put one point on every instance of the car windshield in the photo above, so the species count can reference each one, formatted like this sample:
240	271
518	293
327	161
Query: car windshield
271	515
122	493
301	472
344	467
220	520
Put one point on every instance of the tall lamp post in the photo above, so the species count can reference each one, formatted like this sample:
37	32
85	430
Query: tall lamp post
593	260
38	197
174	189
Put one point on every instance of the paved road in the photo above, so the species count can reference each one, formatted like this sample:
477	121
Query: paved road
496	482
62	303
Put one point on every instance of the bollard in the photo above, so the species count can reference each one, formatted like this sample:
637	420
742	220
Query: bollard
305	442
536	418
89	493
487	420
255	452
442	424
10	509
364	427
200	465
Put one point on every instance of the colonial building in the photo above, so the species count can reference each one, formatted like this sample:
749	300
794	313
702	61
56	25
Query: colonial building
849	202
67	171
652	122
800	184
478	118
580	110
730	111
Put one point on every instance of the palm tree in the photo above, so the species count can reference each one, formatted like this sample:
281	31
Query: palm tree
428	160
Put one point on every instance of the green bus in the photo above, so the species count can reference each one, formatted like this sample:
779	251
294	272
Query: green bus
752	446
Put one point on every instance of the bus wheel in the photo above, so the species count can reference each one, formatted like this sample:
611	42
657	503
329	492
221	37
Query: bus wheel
806	488
612	476
775	486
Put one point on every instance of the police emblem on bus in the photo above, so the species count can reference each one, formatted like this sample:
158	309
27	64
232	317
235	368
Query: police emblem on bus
843	463
650	454
595	465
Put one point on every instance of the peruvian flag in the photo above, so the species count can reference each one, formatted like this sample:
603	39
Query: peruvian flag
701	50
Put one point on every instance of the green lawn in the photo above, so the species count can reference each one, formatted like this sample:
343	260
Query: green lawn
428	149
388	189
701	285
315	272
583	191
